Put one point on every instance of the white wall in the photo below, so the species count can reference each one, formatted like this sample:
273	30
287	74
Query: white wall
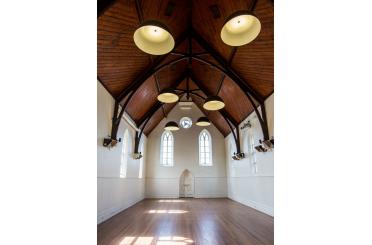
164	181
114	194
249	184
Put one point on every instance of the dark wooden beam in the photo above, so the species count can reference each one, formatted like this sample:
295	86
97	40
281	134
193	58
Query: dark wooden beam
158	104
139	11
262	121
150	71
223	112
253	5
178	53
146	75
229	71
116	119
103	5
150	112
137	137
231	122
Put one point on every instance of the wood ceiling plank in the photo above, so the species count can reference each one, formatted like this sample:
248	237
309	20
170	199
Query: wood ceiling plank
119	60
210	27
177	22
255	61
214	116
142	100
236	102
157	117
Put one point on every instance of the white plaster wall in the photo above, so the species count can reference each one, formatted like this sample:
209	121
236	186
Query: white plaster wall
115	194
163	182
245	185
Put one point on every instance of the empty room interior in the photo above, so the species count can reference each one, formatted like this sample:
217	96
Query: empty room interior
185	122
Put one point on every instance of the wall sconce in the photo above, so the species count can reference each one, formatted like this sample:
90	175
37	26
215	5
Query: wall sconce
269	144
260	148
266	145
238	156
137	155
108	142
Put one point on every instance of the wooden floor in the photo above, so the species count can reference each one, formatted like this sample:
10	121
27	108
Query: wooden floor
187	221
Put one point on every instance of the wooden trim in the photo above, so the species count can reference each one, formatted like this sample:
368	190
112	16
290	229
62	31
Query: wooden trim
103	5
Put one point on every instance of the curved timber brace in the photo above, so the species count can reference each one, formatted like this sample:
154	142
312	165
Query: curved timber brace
238	155
138	135
146	118
112	139
228	118
230	72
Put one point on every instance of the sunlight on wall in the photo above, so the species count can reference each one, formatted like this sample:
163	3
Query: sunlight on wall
171	211
163	240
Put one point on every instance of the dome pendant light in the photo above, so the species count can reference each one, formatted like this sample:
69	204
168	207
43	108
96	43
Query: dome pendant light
240	28
168	96
203	122
213	103
171	126
153	37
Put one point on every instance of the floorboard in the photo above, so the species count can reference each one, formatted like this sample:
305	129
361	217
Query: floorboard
187	221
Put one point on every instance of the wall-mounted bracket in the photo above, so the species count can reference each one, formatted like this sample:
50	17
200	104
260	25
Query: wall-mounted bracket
112	140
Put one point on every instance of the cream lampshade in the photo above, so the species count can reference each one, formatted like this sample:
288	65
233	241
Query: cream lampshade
213	103
203	122
171	126
153	37
240	28
168	96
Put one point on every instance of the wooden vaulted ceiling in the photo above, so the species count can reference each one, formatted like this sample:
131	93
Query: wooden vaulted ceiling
122	67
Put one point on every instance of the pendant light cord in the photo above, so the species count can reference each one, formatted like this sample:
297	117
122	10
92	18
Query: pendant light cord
139	11
252	5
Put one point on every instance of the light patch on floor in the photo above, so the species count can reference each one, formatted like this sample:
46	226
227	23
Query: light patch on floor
163	240
163	211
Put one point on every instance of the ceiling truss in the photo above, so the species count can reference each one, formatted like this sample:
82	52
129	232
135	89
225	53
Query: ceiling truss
223	66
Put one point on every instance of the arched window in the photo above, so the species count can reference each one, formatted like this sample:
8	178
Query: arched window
205	148
166	154
140	172
124	155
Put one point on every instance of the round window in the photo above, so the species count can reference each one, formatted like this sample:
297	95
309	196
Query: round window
186	122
